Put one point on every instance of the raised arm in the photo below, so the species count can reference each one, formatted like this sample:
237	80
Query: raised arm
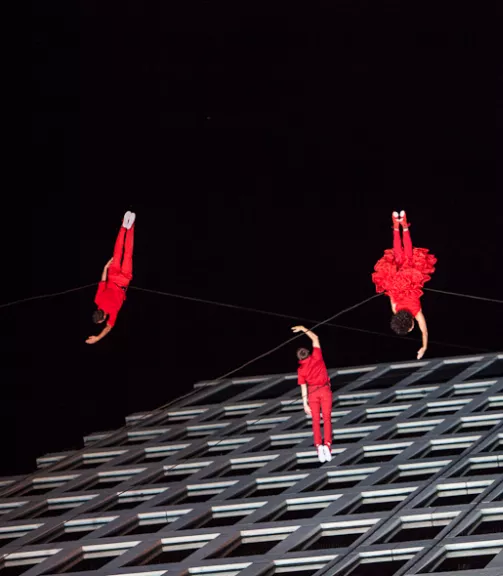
104	274
421	322
314	339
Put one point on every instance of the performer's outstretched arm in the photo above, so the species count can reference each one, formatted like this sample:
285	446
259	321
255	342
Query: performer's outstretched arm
102	334
314	339
421	321
104	274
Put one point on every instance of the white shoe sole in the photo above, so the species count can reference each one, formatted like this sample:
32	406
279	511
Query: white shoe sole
130	220
321	456
125	220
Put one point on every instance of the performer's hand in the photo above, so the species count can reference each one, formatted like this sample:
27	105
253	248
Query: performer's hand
420	352
298	329
92	340
307	410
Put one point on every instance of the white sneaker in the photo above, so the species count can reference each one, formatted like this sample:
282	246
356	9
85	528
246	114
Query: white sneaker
327	450
321	453
129	221
125	221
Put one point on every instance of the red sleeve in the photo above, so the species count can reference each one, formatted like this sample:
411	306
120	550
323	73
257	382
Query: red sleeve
112	317
317	354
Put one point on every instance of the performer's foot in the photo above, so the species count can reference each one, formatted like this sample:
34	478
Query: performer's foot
130	221
328	452
125	221
321	453
403	220
396	221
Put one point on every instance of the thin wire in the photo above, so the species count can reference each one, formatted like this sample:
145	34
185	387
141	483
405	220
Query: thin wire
298	318
41	296
348	309
464	295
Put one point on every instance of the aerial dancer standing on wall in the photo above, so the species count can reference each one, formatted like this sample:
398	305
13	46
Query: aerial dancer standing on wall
400	274
316	393
116	276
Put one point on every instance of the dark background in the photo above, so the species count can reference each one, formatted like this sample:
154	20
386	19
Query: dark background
263	148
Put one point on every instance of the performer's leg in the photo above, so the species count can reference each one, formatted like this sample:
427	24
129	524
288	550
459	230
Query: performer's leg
127	263
326	408
407	242
119	244
314	404
397	245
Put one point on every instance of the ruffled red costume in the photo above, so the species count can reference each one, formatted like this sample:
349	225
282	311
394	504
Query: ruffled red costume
401	277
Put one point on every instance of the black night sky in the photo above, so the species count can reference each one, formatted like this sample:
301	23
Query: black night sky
263	147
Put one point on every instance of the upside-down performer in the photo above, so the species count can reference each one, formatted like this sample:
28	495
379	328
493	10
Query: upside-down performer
316	393
400	274
116	276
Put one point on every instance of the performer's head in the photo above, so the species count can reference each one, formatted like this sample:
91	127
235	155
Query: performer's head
302	353
402	322
99	316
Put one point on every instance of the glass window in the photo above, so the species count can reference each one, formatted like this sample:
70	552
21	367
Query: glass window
378	501
295	509
91	558
443	408
415	528
405	473
336	535
465	557
474	424
494	370
201	492
468	389
224	516
445	372
342	478
172	550
252	543
270	486
441	448
377	453
480	466
488	522
75	530
454	494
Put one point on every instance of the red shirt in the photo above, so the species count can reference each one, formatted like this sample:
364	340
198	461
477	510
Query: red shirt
312	371
110	298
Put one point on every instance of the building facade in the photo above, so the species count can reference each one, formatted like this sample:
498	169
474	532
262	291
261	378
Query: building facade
225	481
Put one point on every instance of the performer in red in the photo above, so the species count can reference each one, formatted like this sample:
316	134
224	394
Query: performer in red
116	276
400	274
316	393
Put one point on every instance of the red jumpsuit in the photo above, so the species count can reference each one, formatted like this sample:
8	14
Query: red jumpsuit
402	272
313	372
112	293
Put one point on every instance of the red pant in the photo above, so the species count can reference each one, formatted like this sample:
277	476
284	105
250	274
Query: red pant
121	269
320	399
401	253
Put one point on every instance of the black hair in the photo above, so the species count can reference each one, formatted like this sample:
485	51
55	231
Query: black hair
302	353
402	322
98	316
